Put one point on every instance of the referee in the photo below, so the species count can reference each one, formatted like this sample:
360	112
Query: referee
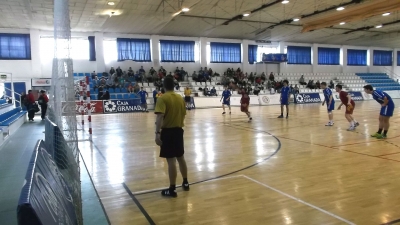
170	111
187	93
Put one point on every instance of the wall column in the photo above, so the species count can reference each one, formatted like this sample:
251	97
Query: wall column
35	54
314	57
203	52
99	45
282	66
245	56
343	58
155	49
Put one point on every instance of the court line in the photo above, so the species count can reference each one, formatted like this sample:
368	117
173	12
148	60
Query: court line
392	222
94	187
144	212
299	200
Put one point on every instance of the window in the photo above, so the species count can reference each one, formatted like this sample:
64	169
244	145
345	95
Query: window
265	50
299	55
225	52
79	48
329	56
92	48
398	58
110	51
15	46
383	58
133	49
177	51
356	57
253	53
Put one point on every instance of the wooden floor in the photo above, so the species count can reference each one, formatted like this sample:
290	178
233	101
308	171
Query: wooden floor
269	171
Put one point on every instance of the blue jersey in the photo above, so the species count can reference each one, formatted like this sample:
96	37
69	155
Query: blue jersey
155	93
285	92
380	95
142	95
328	94
226	94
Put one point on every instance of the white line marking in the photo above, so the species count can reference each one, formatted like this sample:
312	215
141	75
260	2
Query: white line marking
160	189
299	200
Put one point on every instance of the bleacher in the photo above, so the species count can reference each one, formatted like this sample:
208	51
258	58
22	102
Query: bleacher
380	81
12	119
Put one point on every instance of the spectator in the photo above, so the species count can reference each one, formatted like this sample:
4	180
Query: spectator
263	78
210	72
155	92
296	89
271	76
163	71
206	92
269	85
136	88
183	73
112	71
95	82
213	92
302	81
31	105
130	88
318	85
176	83
201	71
200	78
331	84
105	96
43	100
110	83
256	90
138	77
149	78
103	82
119	72
311	84
23	101
251	78
152	71
93	75
130	72
142	71
194	76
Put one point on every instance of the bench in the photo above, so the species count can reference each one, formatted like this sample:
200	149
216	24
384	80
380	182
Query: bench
10	121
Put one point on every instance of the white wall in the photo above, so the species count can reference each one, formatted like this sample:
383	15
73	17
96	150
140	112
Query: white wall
38	68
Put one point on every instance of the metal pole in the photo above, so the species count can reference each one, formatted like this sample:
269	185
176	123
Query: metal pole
12	91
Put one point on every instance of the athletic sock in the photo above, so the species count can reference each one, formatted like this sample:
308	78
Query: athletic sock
380	131
185	180
385	132
352	124
172	187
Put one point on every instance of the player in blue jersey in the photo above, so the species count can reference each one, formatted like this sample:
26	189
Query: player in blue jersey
143	95
226	95
330	102
386	110
285	96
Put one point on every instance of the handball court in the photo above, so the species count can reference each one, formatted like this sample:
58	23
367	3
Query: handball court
269	171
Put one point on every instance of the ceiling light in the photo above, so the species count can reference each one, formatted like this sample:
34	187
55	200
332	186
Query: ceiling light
378	26
246	14
111	3
285	1
340	8
342	23
185	9
386	14
296	19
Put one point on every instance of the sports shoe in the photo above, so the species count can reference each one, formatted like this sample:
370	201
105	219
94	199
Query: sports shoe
287	117
250	119
376	135
351	128
381	136
356	124
223	113
169	193
280	116
185	186
329	124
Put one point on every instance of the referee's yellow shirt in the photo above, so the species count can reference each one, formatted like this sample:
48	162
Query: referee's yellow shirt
188	92
173	107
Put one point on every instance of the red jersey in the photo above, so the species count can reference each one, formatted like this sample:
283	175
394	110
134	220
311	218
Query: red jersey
245	99
31	99
343	97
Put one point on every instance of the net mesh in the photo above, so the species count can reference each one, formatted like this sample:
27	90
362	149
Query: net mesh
61	126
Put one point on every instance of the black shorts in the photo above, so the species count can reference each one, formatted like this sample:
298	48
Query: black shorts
187	98
172	143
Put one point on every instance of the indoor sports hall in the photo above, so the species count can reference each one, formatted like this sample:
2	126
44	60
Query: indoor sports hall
289	110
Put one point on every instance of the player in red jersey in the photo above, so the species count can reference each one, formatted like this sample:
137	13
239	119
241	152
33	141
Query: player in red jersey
244	104
345	98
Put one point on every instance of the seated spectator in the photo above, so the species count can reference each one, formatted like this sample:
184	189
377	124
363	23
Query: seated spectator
121	82
93	75
302	81
225	80
257	90
271	76
318	85
206	92
258	80
207	77
201	78
95	82
163	71
201	71
238	70
331	84
138	77
149	78
112	71
136	88
142	71
194	76
130	88
160	75
152	71
210	72
119	71
176	83
183	74
158	83
177	70
311	84
251	78
110	82
296	89
130	72
213	92
269	85
263	77
105	96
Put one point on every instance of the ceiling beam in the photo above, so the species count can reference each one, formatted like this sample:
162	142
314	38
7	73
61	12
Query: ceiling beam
370	27
352	14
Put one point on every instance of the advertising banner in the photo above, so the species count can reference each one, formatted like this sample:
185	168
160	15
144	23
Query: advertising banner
96	107
42	82
307	98
122	106
356	96
269	99
393	94
274	57
45	197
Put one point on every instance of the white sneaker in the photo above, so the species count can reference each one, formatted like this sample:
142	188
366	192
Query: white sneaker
329	124
351	128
